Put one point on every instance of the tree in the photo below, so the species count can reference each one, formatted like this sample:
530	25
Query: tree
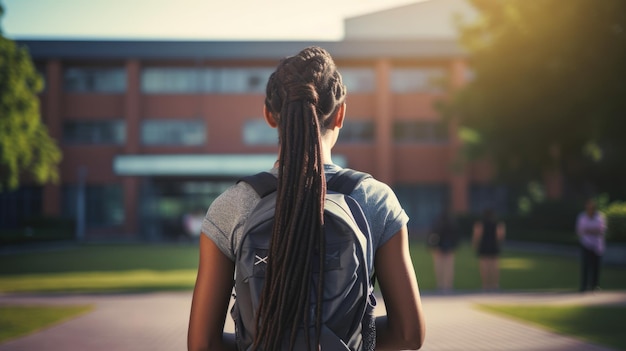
26	149
548	89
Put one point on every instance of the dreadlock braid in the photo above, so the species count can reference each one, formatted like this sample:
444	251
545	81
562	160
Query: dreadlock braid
303	96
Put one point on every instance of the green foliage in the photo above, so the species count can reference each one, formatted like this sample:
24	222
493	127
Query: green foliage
616	221
549	221
548	88
25	146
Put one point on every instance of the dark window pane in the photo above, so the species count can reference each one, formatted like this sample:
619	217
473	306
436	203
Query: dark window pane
422	202
242	80
420	132
171	80
104	204
178	80
358	80
94	132
97	80
18	205
357	131
418	79
258	132
173	132
483	196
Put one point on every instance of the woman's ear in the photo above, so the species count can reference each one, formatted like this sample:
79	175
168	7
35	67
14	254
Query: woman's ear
269	118
341	113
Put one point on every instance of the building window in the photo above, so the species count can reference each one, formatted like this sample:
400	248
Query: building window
358	80
420	132
104	204
411	80
20	204
172	80
422	202
94	80
242	80
357	131
180	80
484	196
258	132
94	132
173	132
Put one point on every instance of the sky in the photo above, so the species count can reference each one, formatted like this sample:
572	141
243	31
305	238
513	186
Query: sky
185	19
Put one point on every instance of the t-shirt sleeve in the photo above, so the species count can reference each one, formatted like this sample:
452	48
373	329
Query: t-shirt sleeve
226	216
384	213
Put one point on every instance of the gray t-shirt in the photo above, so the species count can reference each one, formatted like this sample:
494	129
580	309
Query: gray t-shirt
226	217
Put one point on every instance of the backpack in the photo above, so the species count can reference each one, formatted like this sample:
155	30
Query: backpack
348	302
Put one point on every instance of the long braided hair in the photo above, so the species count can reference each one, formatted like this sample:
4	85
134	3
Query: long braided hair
303	96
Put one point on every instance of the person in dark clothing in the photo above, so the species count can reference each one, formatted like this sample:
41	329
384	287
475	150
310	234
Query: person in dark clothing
443	240
591	228
488	235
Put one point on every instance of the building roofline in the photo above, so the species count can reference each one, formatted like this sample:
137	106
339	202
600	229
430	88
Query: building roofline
236	50
387	10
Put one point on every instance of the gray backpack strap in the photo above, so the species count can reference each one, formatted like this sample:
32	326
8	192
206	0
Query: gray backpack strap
345	180
263	183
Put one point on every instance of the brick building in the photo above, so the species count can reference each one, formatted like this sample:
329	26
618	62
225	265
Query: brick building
151	130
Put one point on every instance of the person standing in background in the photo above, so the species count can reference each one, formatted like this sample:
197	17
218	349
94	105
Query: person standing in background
590	228
487	239
443	241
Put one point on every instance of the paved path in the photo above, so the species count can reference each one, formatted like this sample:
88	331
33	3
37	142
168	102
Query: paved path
158	322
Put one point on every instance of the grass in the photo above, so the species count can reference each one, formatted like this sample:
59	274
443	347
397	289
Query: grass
119	268
18	321
518	271
101	268
123	268
597	324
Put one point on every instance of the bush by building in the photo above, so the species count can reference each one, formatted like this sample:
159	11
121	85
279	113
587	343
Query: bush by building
616	221
37	229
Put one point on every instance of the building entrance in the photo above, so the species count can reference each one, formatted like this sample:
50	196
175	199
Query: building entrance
171	209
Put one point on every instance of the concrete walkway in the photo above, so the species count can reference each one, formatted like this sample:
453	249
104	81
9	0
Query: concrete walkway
158	322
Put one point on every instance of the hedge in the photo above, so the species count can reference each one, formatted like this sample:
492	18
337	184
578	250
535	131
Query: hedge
615	215
38	229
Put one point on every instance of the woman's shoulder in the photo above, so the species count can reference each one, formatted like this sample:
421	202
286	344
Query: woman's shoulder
234	199
375	187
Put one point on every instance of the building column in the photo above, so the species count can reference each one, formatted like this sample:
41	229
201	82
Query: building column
132	116
457	181
383	123
52	119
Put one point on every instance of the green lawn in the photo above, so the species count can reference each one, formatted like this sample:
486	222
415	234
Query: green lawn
518	270
101	268
17	321
597	324
106	268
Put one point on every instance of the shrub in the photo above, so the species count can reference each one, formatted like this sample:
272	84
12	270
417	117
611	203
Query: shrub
550	221
37	229
616	221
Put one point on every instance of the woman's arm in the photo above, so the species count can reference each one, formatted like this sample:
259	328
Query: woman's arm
211	297
477	234
403	327
501	231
